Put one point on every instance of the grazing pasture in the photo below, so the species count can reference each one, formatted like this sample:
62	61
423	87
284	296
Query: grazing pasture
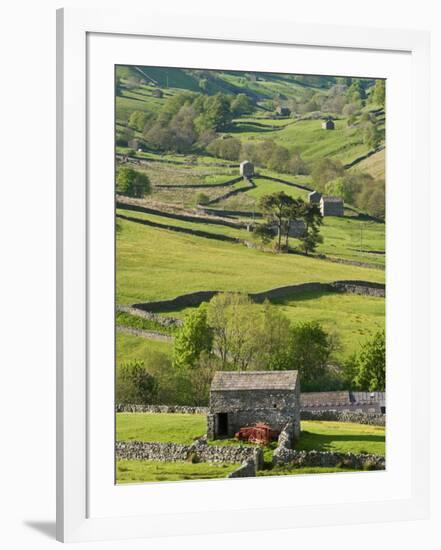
162	427
157	264
287	470
342	437
345	437
354	318
129	348
342	144
141	471
180	136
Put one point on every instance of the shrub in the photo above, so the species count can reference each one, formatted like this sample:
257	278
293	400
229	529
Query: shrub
202	198
132	183
134	384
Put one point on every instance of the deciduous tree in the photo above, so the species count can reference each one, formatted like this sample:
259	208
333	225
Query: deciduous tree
132	183
194	338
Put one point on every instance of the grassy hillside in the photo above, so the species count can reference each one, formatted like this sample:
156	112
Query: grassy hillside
129	348
342	144
175	248
153	264
374	165
262	85
353	318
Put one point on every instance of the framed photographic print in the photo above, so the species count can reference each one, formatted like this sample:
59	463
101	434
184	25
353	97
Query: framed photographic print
242	275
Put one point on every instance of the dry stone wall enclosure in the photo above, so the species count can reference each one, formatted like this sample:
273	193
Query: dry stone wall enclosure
285	454
199	451
326	459
160	409
373	419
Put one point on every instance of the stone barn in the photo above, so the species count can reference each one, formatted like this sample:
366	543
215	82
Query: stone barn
246	169
314	197
332	206
283	111
239	399
328	125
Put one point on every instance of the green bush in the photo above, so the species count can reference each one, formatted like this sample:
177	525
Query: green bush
134	384
132	183
202	198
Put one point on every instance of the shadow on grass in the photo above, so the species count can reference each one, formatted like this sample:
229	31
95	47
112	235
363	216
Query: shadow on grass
303	296
320	442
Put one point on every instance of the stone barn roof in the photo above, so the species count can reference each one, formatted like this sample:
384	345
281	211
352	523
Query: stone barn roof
340	398
330	398
332	199
254	380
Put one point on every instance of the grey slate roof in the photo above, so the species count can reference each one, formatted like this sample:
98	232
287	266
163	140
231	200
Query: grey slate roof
254	380
332	199
336	398
325	398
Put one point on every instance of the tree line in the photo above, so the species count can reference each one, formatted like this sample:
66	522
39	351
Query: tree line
232	333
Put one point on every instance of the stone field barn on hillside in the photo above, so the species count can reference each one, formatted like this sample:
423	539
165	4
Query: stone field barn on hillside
239	399
332	206
328	125
246	169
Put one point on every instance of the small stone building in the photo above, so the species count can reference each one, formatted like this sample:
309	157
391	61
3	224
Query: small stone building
332	206
328	125
314	197
283	111
246	169
239	399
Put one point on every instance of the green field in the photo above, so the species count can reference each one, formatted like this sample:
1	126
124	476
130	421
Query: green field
154	264
162	427
354	318
343	437
137	471
129	348
353	239
291	471
170	223
184	428
374	165
340	144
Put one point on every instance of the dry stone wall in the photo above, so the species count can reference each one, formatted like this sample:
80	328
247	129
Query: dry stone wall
327	459
344	416
160	409
199	451
148	315
247	469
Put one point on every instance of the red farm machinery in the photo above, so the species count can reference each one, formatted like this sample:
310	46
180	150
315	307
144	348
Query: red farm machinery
260	433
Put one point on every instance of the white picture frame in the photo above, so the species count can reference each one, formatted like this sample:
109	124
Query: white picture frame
77	402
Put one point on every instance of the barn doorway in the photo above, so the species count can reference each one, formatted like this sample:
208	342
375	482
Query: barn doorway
222	424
